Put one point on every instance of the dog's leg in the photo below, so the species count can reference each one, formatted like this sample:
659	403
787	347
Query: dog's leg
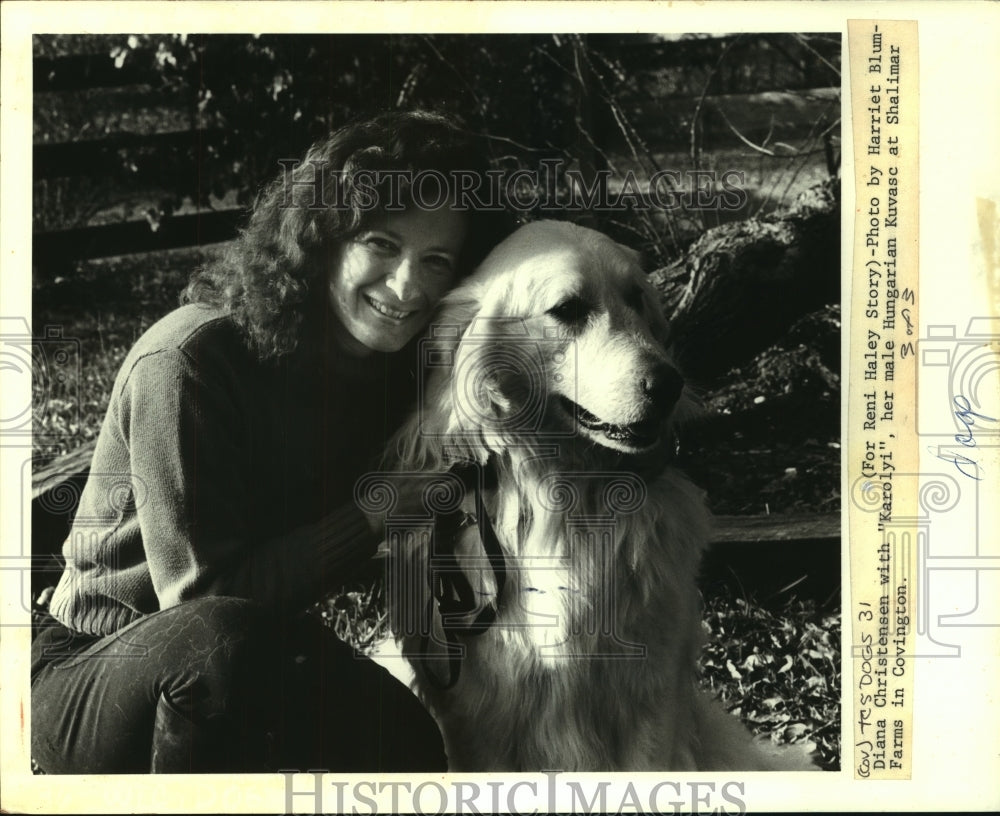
724	744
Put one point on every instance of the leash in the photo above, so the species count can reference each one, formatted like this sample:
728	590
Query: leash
451	591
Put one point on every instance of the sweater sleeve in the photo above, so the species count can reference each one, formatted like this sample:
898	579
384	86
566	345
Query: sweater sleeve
187	439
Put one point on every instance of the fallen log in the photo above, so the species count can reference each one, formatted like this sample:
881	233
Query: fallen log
739	287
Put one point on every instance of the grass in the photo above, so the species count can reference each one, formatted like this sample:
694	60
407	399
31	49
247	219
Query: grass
100	308
358	616
72	407
778	670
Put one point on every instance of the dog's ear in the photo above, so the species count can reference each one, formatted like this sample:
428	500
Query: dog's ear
434	431
658	322
452	318
657	319
458	308
635	257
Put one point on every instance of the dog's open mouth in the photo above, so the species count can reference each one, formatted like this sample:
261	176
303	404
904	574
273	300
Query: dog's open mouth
634	438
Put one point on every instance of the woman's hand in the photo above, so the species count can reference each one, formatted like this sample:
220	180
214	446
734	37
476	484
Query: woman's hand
385	495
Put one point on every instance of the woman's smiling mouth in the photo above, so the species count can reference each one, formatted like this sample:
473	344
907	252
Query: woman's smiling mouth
386	310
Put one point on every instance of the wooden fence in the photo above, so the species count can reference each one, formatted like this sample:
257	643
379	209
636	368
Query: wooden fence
113	140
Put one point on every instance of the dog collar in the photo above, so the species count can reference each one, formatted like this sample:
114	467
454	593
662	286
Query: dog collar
450	589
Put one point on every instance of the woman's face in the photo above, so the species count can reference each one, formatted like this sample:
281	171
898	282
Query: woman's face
385	281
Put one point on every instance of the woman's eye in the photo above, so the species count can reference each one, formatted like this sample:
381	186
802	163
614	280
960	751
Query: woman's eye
439	263
571	310
377	242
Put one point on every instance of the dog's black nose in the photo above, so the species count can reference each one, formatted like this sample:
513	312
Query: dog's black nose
663	386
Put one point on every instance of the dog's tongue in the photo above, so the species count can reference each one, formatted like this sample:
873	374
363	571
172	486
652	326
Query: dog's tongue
584	417
639	434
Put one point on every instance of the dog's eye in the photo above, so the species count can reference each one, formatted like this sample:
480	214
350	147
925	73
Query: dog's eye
571	310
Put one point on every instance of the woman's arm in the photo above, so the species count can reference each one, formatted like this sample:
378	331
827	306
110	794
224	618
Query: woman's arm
187	436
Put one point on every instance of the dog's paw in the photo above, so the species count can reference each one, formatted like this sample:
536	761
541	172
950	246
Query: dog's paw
798	757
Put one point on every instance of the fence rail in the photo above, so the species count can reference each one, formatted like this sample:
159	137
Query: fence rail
52	251
121	123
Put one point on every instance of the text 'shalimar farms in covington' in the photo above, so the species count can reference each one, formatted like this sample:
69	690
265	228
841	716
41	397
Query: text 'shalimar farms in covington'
882	452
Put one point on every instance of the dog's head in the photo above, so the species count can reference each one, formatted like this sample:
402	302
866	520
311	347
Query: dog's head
557	336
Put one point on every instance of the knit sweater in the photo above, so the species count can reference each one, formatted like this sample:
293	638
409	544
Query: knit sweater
216	474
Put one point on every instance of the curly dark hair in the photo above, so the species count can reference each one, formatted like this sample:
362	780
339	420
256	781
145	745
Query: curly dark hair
272	279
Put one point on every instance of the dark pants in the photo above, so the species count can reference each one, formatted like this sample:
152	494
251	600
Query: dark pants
217	685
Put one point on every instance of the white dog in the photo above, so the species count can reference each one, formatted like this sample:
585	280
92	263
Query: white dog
576	650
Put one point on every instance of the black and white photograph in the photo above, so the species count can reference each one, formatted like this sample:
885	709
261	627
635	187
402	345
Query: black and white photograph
495	407
555	316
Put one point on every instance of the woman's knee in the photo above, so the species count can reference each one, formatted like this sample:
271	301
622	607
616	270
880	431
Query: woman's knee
217	653
212	661
215	628
235	617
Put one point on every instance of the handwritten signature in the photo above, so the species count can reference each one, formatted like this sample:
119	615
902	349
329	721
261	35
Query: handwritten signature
967	417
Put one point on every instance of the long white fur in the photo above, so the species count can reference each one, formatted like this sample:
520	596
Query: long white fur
591	663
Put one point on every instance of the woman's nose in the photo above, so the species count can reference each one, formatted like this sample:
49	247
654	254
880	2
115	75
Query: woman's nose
401	280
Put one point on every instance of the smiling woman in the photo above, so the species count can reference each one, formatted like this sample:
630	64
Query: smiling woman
385	281
219	504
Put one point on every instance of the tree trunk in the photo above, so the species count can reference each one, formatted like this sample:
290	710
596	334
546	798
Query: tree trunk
740	286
